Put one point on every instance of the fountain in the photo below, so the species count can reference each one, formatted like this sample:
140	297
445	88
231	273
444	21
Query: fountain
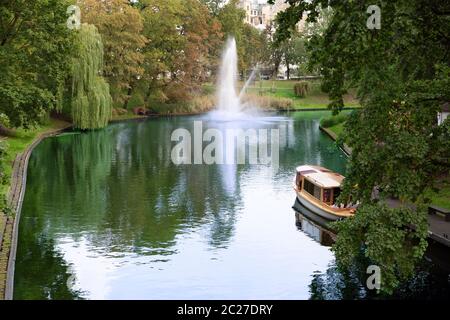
229	104
230	107
228	100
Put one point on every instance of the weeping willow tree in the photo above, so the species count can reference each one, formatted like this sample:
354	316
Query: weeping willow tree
91	99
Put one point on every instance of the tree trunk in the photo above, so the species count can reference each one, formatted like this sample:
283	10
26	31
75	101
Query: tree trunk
127	99
288	69
276	67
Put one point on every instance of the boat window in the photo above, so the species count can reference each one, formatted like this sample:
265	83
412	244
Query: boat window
317	192
308	186
327	195
311	188
336	193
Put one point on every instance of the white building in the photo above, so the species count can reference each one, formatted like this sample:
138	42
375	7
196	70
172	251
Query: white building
445	112
259	13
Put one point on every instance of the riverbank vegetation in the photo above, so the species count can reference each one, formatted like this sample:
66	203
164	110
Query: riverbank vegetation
17	142
315	98
91	99
335	123
118	58
83	65
334	120
146	62
402	76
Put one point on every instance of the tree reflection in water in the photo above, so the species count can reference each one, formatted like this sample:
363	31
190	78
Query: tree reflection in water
431	281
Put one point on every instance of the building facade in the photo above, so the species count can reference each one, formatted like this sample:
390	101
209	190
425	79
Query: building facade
260	14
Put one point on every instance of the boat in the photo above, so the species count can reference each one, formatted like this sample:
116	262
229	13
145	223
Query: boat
318	188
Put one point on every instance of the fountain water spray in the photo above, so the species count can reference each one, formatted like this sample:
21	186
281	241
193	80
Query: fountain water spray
229	106
228	100
249	80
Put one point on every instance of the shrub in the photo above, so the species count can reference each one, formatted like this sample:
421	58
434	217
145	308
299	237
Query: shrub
280	103
177	92
136	100
333	120
119	112
201	104
301	89
208	89
268	102
158	97
197	104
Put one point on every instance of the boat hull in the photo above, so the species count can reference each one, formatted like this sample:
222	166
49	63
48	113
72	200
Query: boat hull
319	220
317	210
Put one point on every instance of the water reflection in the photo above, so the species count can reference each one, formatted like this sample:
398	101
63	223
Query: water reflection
107	215
313	225
431	281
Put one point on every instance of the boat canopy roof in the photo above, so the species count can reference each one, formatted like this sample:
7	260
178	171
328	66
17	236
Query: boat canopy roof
320	176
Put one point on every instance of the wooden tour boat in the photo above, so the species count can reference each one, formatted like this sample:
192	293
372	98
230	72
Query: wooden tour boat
318	188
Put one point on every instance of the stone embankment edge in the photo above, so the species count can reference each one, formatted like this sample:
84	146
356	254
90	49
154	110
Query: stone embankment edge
15	199
18	186
344	147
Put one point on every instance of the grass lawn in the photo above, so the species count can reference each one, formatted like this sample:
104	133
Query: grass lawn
315	99
20	141
441	198
335	123
337	129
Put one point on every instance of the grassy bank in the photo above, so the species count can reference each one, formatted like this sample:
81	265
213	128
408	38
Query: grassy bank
275	95
335	123
337	129
208	102
441	196
314	99
20	140
16	142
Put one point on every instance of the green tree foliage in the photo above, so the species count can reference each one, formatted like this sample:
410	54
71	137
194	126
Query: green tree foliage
290	52
120	26
250	42
91	102
401	73
183	42
214	5
254	43
35	48
232	19
165	44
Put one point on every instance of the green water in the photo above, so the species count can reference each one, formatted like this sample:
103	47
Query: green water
107	215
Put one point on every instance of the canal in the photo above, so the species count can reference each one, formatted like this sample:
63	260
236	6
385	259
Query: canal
107	215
